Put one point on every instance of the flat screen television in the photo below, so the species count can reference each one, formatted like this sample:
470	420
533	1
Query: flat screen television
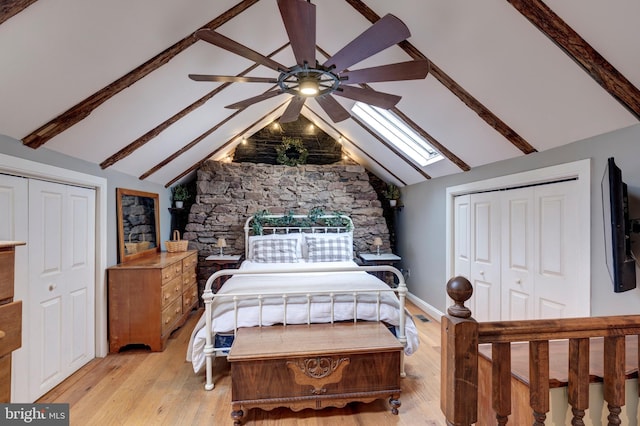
617	229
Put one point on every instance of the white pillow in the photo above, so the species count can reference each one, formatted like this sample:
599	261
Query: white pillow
305	248
293	235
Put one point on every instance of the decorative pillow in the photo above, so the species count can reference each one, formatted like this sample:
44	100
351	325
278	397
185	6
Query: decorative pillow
325	249
291	236
275	251
321	235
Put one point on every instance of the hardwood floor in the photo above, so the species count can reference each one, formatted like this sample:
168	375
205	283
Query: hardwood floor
138	387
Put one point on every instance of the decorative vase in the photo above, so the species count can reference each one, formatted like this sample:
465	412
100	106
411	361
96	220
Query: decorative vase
179	204
392	203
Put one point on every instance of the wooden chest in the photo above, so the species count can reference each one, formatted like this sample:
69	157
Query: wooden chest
150	297
10	317
313	366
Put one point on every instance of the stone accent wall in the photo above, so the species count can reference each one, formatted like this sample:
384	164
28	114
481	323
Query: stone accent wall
228	193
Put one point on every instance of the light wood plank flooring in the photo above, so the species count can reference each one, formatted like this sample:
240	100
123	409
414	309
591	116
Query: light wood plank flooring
138	387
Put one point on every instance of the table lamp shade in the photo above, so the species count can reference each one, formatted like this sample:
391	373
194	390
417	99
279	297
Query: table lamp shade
221	243
377	241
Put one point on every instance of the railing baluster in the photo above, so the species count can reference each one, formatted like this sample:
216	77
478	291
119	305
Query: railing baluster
614	376
578	389
539	380
501	381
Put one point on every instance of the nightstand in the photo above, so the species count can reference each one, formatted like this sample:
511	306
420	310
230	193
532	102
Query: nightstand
225	261
373	259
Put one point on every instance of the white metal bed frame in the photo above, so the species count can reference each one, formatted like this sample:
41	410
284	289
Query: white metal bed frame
210	351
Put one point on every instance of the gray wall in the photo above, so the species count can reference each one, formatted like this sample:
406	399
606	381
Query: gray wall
13	147
421	227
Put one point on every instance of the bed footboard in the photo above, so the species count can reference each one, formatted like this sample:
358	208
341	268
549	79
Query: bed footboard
332	296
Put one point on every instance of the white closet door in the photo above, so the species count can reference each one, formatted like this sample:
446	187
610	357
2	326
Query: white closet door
518	271
462	236
485	256
558	292
61	265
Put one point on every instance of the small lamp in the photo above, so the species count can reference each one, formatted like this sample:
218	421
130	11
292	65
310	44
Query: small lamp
377	241
222	243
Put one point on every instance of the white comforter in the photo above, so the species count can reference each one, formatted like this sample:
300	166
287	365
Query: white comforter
297	310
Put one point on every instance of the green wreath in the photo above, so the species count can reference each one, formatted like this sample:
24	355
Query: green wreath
291	152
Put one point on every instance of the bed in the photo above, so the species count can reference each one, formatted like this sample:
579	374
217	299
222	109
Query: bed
297	273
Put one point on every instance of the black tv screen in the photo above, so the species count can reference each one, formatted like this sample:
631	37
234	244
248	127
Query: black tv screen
617	241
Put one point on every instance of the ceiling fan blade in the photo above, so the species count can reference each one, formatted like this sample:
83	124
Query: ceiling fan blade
386	32
410	70
232	78
334	110
255	99
293	110
226	43
299	19
369	96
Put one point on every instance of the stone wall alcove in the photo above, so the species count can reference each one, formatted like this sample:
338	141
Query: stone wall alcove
227	193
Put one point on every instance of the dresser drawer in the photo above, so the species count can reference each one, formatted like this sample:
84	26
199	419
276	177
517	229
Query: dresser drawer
170	314
10	327
189	298
5	379
171	271
6	274
171	290
190	262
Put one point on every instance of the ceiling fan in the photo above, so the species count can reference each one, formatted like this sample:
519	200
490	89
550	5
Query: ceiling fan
310	79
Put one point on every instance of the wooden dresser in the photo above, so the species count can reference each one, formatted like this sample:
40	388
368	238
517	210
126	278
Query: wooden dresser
313	366
150	297
10	317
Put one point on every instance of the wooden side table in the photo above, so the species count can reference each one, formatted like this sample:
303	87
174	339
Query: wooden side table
225	261
373	259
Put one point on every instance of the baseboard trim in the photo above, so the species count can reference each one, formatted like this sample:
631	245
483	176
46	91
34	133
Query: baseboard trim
427	308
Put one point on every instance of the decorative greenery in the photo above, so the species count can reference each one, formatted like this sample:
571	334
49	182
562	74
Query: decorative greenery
392	192
180	193
314	218
291	152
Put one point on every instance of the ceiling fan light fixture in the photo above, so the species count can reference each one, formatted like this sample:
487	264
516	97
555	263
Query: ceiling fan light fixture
309	87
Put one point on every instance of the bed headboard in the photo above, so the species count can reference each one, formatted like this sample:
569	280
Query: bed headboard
287	224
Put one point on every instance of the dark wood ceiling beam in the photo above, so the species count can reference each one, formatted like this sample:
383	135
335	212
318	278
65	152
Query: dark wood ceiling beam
222	147
9	8
142	140
490	118
433	141
81	110
558	31
355	145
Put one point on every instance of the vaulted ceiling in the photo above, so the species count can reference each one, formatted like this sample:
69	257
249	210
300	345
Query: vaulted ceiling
106	81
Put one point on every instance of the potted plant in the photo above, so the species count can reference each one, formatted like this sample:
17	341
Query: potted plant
179	194
392	193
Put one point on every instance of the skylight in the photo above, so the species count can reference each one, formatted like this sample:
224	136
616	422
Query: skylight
397	132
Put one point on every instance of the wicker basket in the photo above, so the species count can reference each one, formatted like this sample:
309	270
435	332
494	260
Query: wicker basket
176	245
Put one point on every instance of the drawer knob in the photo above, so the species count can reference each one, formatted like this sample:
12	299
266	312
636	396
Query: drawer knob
177	310
2	334
52	287
166	296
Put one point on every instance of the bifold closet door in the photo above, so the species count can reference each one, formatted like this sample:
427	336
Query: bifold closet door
61	282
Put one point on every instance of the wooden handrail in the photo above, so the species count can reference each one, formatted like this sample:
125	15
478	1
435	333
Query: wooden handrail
461	335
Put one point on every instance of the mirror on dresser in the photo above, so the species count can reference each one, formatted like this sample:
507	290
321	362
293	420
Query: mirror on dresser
138	224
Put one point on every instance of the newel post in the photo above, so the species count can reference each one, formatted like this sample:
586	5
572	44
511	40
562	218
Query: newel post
459	357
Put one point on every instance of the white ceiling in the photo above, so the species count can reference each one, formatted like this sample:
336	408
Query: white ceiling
56	54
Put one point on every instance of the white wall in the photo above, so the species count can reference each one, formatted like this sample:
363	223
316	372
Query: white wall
13	147
422	232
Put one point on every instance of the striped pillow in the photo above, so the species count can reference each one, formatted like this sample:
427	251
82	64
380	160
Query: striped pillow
325	249
275	251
